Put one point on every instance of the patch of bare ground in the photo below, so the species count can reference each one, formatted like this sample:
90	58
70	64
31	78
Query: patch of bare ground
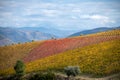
87	77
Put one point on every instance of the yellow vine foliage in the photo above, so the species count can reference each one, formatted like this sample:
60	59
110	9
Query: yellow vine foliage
108	33
105	33
102	58
10	54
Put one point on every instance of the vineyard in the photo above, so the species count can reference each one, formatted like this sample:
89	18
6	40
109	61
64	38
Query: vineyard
52	47
107	33
96	53
102	58
10	54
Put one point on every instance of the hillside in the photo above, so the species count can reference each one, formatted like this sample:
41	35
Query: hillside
49	53
93	31
10	54
15	35
100	59
51	47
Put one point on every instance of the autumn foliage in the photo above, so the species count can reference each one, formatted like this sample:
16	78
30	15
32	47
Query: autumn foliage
52	47
10	54
96	53
102	58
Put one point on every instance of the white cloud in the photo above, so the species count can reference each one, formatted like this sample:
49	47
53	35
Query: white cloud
6	14
99	18
74	17
51	13
95	17
32	13
76	10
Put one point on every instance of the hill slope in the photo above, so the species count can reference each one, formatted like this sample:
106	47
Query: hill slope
92	31
10	54
102	59
104	43
51	47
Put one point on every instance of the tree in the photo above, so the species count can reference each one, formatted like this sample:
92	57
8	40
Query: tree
18	42
52	37
81	34
72	70
19	68
32	40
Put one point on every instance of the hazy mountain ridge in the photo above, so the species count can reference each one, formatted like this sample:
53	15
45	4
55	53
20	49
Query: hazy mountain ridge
4	41
11	35
26	34
57	32
91	31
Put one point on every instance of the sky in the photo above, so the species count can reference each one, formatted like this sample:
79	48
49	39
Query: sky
60	14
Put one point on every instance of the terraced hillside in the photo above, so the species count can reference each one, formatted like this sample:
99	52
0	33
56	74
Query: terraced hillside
102	59
51	47
10	54
107	33
95	53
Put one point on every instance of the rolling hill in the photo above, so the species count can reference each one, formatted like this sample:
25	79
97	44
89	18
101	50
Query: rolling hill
52	47
27	34
97	59
10	54
95	53
92	31
102	58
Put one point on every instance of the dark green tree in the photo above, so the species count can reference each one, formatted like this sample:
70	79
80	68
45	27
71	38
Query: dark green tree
19	68
32	40
19	43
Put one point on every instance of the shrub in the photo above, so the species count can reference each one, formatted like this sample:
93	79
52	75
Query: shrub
50	76
32	40
43	76
19	68
35	77
81	34
72	70
19	43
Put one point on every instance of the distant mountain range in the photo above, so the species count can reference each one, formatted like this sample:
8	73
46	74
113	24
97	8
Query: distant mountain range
26	34
10	35
57	32
4	41
96	30
14	35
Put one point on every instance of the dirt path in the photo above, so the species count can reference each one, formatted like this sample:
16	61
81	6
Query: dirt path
84	77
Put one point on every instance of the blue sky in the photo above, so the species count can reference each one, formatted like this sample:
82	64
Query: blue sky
61	14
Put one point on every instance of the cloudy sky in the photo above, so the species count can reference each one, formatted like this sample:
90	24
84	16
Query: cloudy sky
61	14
